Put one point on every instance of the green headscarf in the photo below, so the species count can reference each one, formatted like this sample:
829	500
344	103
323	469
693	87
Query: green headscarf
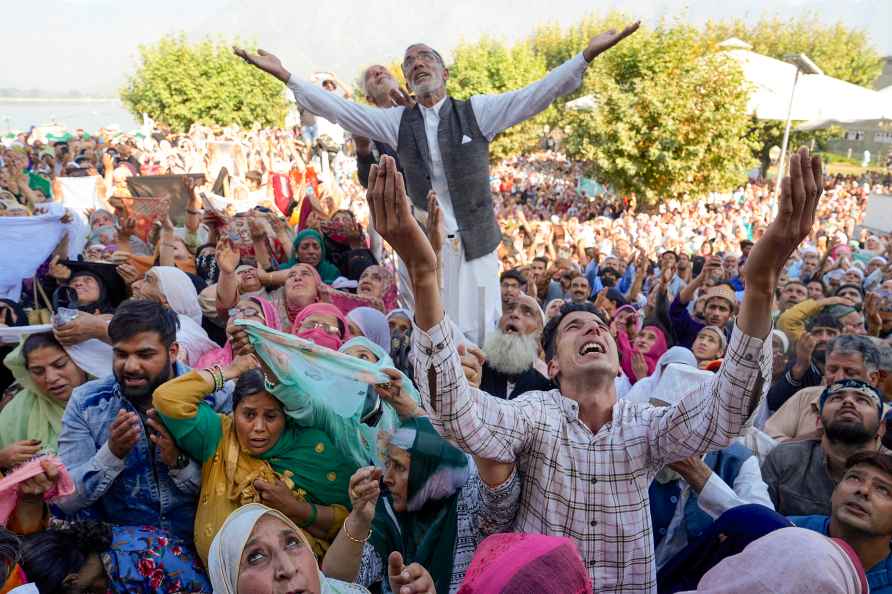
328	271
31	414
425	533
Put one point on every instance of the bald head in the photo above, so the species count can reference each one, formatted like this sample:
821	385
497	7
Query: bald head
521	315
378	82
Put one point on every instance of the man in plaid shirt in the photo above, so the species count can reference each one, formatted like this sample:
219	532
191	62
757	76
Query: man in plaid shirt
584	459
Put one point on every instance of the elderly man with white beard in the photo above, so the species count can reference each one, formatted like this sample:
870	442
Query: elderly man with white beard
512	351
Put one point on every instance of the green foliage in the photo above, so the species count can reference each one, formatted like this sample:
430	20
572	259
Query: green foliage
489	67
179	83
671	117
840	52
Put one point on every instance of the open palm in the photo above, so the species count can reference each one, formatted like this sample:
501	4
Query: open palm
265	61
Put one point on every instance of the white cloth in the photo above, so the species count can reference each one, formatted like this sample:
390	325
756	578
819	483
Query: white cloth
80	194
680	360
93	356
183	299
25	243
14	334
715	499
25	589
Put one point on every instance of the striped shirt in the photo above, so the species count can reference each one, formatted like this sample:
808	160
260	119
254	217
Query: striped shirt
592	487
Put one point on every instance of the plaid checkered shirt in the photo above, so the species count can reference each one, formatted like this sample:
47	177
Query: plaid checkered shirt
592	487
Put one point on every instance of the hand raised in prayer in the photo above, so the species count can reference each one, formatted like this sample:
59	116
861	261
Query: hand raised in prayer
401	98
365	488
276	495
128	273
392	219
694	471
19	452
124	433
800	193
264	61
436	229
472	360
84	327
59	271
394	393
639	366
606	40
227	257
872	313
240	365
413	579
161	437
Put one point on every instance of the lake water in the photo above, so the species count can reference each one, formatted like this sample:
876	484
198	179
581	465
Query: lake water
89	115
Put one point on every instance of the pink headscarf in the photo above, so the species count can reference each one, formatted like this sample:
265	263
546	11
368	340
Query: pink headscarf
345	302
390	291
518	562
627	351
224	355
318	336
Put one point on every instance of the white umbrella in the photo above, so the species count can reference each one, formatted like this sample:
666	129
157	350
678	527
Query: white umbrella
878	108
816	96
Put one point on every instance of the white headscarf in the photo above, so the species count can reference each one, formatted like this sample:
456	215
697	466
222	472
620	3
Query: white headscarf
225	555
651	386
183	299
179	292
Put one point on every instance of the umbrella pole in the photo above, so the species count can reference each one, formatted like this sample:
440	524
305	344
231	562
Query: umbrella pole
783	155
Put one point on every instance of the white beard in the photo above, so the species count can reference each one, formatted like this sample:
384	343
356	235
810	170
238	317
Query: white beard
511	354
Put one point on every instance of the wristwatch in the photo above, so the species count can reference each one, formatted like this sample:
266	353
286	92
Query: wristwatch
182	461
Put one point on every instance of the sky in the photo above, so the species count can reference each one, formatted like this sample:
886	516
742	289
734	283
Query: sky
92	45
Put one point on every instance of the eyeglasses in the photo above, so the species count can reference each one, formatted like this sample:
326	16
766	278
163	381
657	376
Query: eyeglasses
332	329
248	312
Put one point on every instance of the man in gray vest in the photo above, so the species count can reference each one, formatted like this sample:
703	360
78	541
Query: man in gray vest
443	144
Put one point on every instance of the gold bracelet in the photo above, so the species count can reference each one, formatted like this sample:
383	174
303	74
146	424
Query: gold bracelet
356	540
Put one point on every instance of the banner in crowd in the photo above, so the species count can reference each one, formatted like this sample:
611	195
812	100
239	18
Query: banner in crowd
171	187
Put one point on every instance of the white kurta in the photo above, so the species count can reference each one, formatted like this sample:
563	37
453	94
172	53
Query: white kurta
462	279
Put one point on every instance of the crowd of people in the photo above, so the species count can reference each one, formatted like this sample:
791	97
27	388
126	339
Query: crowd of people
245	382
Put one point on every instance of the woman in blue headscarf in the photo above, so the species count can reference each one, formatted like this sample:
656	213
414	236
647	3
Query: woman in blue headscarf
309	248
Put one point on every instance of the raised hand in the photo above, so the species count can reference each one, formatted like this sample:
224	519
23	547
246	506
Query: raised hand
393	220
413	579
124	433
800	192
436	231
364	491
606	40
395	394
227	257
265	61
401	97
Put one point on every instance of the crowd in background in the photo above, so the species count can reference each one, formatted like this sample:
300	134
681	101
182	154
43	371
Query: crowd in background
145	434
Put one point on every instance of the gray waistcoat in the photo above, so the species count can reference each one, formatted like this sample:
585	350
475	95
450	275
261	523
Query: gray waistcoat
467	171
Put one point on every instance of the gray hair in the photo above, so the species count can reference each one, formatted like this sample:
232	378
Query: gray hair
850	343
886	358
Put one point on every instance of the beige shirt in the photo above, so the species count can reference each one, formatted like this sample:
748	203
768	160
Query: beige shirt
799	416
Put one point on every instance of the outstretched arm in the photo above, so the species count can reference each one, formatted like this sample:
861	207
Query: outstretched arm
496	113
479	424
710	416
371	122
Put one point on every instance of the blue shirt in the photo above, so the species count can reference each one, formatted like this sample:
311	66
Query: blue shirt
879	577
138	490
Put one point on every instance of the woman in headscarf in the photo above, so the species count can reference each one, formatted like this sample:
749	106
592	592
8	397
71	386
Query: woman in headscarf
648	388
95	557
517	562
309	248
638	356
259	550
377	282
32	420
257	309
172	287
346	244
255	454
371	323
432	515
788	561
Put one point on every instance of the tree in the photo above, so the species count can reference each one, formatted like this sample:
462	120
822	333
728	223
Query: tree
671	117
840	52
178	84
489	66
